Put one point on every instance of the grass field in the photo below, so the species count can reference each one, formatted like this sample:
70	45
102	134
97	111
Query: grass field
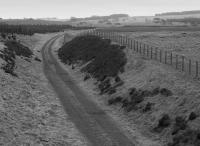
182	40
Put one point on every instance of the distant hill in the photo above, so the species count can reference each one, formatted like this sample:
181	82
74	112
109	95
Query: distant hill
179	13
113	16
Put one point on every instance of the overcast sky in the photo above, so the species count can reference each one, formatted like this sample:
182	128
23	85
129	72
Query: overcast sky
84	8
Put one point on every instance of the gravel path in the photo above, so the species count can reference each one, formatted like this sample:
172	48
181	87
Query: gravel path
91	120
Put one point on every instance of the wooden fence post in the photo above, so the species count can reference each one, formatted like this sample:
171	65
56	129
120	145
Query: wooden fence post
190	66
183	63
171	58
160	55
165	57
176	61
125	40
197	68
140	47
135	45
156	52
131	44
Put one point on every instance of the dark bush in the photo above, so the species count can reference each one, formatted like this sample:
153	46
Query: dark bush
125	103
9	55
131	107
14	37
86	77
188	137
165	92
146	93
143	93
132	91
164	122
111	91
103	86
122	47
180	124
114	100
137	98
147	107
102	78
156	91
19	49
117	79
3	35
192	116
9	68
105	59
38	59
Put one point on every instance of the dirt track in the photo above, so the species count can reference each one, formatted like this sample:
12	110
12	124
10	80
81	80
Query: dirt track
91	120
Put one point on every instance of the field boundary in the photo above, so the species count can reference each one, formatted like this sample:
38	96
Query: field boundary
179	62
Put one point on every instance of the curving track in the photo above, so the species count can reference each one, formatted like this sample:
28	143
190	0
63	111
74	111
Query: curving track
98	128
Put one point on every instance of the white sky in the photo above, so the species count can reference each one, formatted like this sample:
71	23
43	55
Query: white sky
84	8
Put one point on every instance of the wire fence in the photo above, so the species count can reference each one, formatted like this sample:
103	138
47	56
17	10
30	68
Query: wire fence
177	61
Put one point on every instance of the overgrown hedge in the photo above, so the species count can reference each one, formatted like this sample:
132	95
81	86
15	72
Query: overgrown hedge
104	59
9	53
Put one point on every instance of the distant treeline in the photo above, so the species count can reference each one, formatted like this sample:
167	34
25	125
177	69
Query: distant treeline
113	16
31	29
179	13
